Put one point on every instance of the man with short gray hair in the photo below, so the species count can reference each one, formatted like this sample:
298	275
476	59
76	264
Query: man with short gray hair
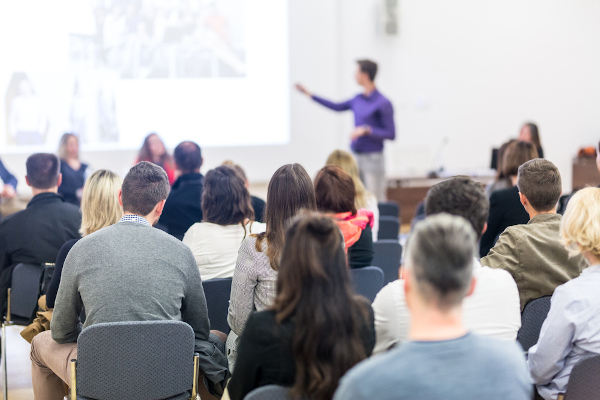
127	272
441	360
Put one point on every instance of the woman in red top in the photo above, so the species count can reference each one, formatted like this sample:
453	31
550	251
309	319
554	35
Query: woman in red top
154	151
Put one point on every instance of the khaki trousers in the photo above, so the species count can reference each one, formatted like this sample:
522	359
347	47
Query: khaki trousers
50	366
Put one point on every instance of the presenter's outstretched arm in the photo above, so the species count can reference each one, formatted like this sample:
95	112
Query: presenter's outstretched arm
343	106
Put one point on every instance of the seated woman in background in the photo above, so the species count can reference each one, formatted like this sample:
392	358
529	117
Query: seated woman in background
501	181
531	134
258	204
253	287
154	150
227	219
364	198
505	205
317	329
99	208
571	332
73	171
334	190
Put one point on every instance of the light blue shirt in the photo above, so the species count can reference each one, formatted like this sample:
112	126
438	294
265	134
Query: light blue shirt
571	332
135	218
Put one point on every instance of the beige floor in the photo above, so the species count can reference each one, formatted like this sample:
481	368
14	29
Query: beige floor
19	365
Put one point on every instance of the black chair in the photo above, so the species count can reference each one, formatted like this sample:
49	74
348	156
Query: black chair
269	392
24	292
367	281
533	316
389	228
584	381
388	254
389	209
217	293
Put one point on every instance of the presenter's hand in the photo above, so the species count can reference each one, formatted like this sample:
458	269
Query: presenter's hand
360	131
303	90
8	192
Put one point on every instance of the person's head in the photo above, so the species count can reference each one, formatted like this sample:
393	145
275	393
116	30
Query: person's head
313	287
460	196
43	172
100	201
144	191
225	199
238	168
500	159
290	190
334	190
347	162
516	154
153	149
530	133
188	157
580	229
439	263
68	147
539	185
366	71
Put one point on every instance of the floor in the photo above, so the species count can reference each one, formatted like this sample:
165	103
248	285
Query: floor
19	365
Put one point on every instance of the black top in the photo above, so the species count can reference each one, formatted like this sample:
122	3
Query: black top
505	210
72	181
265	353
182	208
258	205
360	254
7	177
540	152
55	281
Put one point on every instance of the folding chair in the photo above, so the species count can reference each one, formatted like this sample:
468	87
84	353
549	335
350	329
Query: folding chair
389	228
389	209
584	381
388	254
217	293
533	316
367	281
269	392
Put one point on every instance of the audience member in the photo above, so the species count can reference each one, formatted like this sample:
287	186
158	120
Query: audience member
153	150
228	219
36	234
258	204
441	360
530	133
533	253
253	288
505	208
316	329
501	181
493	307
182	208
9	190
335	194
99	208
126	272
571	332
73	171
364	198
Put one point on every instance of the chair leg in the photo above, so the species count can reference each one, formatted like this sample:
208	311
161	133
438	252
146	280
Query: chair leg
196	373
73	379
6	323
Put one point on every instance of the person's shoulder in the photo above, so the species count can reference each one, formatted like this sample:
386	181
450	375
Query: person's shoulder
494	350
69	208
494	276
389	291
257	227
13	218
503	194
372	369
261	326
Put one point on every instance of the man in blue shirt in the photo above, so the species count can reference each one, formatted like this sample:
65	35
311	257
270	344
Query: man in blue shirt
374	122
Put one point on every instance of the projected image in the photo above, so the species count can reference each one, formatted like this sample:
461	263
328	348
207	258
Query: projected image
26	117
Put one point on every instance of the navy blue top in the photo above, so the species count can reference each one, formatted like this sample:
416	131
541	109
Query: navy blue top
72	181
7	177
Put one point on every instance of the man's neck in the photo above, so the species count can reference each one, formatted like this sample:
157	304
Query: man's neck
369	88
430	324
37	191
533	213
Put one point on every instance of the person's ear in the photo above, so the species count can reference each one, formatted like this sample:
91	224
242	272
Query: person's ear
121	198
485	226
201	161
159	208
472	286
59	180
523	199
27	181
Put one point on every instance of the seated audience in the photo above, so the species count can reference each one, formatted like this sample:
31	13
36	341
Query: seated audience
9	190
73	171
571	332
530	133
316	329
505	208
126	272
99	208
492	309
533	253
36	234
153	150
442	359
258	204
364	198
253	287
228	220
501	181
182	208
335	194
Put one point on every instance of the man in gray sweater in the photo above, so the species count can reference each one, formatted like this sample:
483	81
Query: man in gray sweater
127	272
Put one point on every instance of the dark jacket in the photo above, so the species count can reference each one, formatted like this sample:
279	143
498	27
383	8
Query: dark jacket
258	205
182	208
360	254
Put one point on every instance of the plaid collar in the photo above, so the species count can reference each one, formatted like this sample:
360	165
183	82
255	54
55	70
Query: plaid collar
135	218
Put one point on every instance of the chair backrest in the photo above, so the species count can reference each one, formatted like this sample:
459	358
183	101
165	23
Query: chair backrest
388	254
367	281
584	381
135	360
24	293
389	209
533	316
269	392
217	293
389	228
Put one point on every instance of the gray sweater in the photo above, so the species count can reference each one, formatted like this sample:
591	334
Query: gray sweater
133	272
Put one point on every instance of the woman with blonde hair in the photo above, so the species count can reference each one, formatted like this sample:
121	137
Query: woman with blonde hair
571	332
364	198
99	208
73	171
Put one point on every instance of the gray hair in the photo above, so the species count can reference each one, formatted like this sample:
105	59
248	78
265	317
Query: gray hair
145	185
440	256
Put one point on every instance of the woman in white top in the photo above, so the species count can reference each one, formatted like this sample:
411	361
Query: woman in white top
228	218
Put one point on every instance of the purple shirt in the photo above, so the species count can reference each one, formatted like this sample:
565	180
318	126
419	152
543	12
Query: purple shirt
374	111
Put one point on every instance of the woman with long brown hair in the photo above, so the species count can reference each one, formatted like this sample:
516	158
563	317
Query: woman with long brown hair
253	288
317	329
153	150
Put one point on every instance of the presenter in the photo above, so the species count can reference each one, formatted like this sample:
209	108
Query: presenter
374	122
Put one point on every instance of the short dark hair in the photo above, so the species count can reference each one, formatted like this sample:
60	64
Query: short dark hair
43	170
334	190
225	199
188	157
145	185
460	196
539	181
368	67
